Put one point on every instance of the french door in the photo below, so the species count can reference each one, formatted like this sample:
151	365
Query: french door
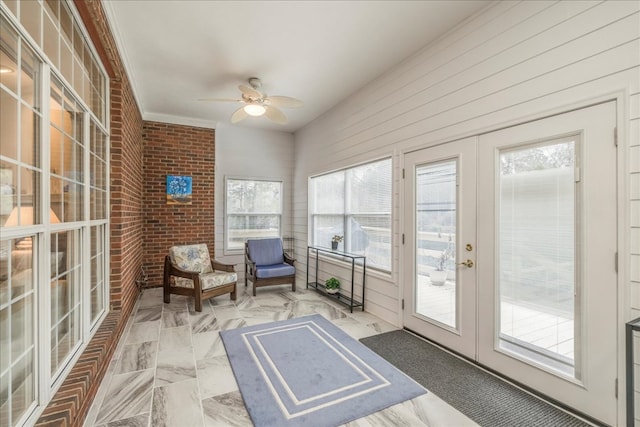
535	299
440	235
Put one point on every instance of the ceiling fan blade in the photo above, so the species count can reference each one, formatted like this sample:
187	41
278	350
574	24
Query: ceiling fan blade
239	115
220	99
283	102
250	92
275	115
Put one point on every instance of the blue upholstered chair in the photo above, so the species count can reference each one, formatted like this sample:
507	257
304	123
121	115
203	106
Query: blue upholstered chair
266	264
188	270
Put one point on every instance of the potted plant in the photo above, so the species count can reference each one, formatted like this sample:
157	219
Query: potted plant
332	285
334	242
439	275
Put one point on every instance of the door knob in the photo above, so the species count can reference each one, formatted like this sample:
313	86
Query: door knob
468	263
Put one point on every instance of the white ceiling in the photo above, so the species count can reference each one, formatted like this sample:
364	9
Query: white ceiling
320	52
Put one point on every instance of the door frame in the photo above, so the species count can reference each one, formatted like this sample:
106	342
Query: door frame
536	110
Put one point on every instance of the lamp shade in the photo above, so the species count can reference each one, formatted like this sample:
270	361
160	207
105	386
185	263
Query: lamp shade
23	215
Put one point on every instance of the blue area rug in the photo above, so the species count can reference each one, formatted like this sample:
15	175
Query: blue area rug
308	372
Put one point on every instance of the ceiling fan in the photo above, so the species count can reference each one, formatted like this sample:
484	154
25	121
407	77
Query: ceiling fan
257	103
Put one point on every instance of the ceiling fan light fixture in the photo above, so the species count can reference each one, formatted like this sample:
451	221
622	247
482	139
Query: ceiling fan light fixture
254	110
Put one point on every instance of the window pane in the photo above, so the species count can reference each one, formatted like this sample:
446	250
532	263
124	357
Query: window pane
22	386
9	129
29	77
50	37
245	196
328	191
325	227
369	188
537	252
97	272
5	340
436	200
23	206
29	136
370	235
30	17
9	56
254	210
242	227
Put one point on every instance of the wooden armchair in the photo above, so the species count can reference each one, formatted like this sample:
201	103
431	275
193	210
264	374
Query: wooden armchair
188	270
266	264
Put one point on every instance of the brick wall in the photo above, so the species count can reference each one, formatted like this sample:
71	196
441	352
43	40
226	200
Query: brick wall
126	196
176	150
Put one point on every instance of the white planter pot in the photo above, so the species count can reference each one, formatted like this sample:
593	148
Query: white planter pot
333	291
438	277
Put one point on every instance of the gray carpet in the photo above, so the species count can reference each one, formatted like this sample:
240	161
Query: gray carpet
479	395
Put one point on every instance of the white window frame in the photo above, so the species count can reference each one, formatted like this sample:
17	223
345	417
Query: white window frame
227	214
46	382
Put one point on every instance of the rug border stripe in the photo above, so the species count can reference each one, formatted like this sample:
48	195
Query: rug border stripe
290	392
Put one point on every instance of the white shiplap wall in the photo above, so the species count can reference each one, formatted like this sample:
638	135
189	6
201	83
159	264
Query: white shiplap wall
510	63
250	153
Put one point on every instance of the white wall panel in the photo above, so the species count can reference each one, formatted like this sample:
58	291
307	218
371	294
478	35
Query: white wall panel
251	153
634	133
512	62
634	159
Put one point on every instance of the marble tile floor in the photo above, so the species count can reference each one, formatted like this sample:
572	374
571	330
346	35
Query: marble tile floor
170	367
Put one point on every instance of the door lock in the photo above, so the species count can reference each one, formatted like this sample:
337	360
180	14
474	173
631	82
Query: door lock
468	263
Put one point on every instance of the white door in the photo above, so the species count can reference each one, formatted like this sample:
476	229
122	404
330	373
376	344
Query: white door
547	244
440	235
538	304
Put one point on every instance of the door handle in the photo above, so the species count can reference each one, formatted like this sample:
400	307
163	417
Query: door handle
468	263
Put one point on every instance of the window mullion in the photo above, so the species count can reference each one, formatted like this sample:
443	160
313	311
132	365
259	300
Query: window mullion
44	250
85	291
347	202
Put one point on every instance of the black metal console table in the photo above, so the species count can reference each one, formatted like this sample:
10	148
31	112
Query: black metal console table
339	296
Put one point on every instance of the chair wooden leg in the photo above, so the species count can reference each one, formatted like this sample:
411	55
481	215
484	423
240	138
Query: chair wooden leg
198	302
233	294
254	289
166	284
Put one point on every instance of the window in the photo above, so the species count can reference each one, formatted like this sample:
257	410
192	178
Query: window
54	162
355	203
254	209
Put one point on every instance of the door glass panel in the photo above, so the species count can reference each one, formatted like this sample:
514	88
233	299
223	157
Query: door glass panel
436	219
537	252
